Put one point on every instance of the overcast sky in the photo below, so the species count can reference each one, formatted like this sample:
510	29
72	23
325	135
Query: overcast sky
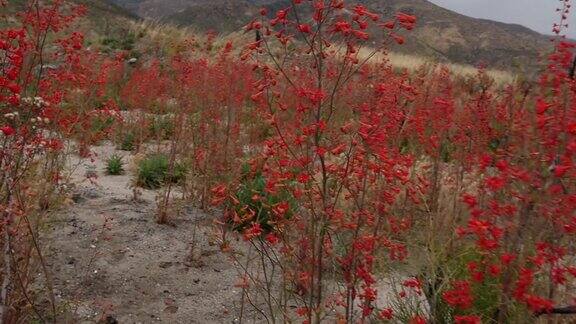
538	15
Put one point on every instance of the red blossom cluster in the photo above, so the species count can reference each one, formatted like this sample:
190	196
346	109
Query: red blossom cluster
32	130
363	154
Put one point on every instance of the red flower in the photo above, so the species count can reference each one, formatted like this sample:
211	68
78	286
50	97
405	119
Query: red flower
538	304
338	149
389	24
572	128
560	170
399	39
252	232
361	35
14	88
280	209
418	320
305	28
507	258
495	183
7	130
469	200
406	21
272	238
542	106
467	319
387	313
459	296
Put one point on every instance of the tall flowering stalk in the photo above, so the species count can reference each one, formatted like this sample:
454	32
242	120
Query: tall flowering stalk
521	213
31	144
317	202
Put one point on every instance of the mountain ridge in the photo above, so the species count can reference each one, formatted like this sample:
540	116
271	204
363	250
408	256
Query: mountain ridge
440	33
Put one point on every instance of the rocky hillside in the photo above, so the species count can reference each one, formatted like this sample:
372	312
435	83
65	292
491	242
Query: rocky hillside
441	33
103	16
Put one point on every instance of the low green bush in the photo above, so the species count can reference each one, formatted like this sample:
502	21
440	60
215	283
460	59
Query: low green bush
127	142
161	127
153	172
254	185
115	165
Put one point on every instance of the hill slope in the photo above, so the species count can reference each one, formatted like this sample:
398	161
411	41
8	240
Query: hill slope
440	33
103	16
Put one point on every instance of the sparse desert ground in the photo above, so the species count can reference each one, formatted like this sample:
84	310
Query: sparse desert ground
111	261
110	258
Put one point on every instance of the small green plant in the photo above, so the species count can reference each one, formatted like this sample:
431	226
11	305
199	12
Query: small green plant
153	172
115	165
486	291
102	124
254	198
161	127
125	43
127	141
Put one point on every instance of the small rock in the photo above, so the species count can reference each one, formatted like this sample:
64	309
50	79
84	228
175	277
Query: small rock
77	198
209	253
165	265
171	309
91	173
108	320
169	301
171	306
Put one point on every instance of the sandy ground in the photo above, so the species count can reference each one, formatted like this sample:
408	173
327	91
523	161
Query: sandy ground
112	262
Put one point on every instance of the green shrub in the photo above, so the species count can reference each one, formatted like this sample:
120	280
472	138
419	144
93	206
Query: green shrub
101	124
127	142
485	293
125	43
178	174
153	172
162	127
114	165
255	184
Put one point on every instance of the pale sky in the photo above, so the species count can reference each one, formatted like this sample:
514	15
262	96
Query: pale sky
538	15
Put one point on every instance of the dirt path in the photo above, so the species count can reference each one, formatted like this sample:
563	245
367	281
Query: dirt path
112	262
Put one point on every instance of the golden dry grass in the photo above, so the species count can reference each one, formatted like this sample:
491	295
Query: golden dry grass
171	38
413	62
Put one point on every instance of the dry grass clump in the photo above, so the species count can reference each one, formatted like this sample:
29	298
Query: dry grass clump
413	62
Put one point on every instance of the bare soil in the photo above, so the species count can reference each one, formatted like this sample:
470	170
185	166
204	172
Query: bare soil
112	263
